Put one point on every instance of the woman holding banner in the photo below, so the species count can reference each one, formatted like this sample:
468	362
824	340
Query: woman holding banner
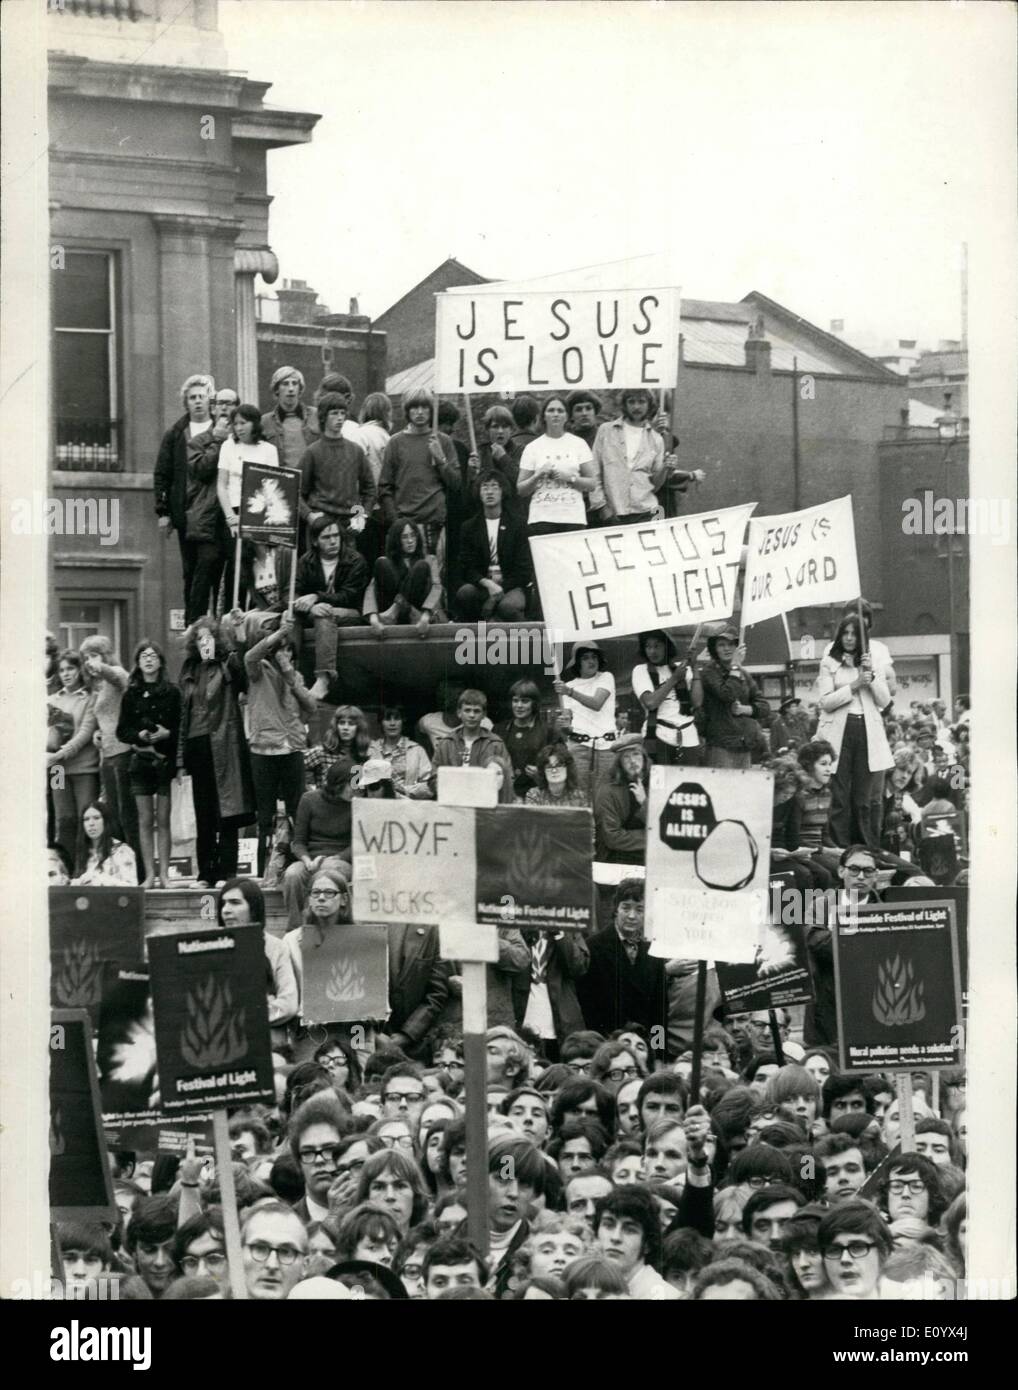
245	444
852	691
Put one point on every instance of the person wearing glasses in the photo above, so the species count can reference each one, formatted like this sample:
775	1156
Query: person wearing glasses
315	1133
855	1243
857	870
274	1242
578	1049
615	1063
199	1247
624	983
911	1187
340	1061
394	1134
404	1095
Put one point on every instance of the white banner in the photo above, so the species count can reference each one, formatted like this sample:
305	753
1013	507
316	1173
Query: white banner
617	580
539	340
800	560
708	861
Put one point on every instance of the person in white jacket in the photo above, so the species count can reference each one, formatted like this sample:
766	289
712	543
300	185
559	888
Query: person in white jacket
852	691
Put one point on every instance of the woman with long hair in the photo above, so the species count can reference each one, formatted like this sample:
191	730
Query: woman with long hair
278	708
852	691
103	861
214	748
245	444
406	586
555	779
556	472
411	766
242	904
150	724
374	434
70	746
525	734
348	736
394	1181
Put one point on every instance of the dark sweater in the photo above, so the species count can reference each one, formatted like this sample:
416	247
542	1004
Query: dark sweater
322	826
411	484
335	476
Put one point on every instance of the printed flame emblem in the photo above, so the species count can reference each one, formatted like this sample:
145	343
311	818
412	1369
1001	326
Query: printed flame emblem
898	998
270	500
80	982
346	983
529	872
57	1144
213	1035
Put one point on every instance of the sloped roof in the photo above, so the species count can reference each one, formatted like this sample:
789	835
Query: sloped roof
470	278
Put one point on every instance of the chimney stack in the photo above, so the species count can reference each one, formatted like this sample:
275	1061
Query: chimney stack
758	349
296	302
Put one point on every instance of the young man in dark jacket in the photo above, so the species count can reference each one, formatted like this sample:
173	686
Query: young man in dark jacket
624	982
732	705
494	559
187	463
331	579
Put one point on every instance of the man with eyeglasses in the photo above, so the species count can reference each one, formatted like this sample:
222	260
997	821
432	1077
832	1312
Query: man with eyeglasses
855	1242
315	1133
403	1094
274	1243
199	1247
578	1051
225	403
624	983
857	869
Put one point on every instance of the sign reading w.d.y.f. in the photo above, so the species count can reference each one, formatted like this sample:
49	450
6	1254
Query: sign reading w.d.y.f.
539	340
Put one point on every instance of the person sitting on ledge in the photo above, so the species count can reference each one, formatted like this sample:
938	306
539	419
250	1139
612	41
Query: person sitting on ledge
494	558
405	584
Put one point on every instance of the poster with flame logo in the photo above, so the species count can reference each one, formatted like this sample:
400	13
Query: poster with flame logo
898	987
345	972
211	1020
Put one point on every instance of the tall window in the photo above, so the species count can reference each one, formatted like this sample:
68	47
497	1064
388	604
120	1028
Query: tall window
85	362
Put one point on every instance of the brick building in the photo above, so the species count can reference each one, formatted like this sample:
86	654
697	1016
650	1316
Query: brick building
410	322
295	330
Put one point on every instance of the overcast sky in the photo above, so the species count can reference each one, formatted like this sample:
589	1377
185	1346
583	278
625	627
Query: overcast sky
832	156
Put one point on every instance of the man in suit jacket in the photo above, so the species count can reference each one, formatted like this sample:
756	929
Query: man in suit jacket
494	559
857	870
624	984
418	987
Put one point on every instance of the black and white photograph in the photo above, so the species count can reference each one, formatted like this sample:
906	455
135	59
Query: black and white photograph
589	429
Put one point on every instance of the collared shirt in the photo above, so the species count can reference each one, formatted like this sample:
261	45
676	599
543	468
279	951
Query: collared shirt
627	484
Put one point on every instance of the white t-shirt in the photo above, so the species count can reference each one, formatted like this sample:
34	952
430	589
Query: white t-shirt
553	501
685	736
198	427
491	526
233	456
594	723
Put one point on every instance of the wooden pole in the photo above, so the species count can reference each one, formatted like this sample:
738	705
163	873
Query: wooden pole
935	1098
231	1224
293	580
779	1051
470	423
236	571
864	644
475	1088
701	999
906	1116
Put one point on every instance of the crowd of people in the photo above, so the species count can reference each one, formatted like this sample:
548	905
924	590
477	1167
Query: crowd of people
606	1177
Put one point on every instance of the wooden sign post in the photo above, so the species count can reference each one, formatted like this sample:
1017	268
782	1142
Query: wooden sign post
231	1220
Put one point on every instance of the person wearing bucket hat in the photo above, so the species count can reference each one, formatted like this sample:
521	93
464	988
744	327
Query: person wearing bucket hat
731	703
368	1279
587	690
376	779
670	691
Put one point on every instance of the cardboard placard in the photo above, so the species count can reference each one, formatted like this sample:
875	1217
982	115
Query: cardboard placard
708	861
534	868
800	560
92	932
413	861
779	973
269	504
211	1019
525	340
617	580
898	987
126	1051
80	1185
345	973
